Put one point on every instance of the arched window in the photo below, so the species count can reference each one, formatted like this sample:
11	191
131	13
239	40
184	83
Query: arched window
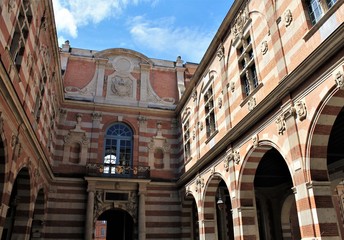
118	149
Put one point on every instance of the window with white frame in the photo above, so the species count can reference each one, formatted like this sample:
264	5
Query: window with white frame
118	149
247	66
209	111
317	8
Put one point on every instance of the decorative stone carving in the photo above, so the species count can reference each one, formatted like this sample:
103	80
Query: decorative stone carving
251	104
212	170
141	119
11	5
280	121
232	86
339	78
220	52
16	146
131	205
288	17
240	22
98	202
200	125
219	102
301	110
96	116
121	86
199	183
229	157
236	156
264	47
194	95
255	141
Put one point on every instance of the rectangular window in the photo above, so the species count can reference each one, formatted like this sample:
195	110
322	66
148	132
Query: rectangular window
209	112
187	150
317	8
248	72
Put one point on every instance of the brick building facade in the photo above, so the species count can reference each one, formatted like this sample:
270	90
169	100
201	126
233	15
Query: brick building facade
247	144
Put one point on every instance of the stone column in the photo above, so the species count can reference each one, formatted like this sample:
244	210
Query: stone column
142	211
89	213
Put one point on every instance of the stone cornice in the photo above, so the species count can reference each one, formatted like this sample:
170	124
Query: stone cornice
318	57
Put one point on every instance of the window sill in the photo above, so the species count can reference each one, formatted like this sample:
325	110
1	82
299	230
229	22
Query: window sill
211	136
322	20
260	85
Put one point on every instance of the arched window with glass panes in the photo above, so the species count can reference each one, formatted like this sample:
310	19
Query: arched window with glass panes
118	150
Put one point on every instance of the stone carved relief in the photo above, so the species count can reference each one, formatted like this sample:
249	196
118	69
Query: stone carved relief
98	203
220	52
200	125
339	78
255	140
131	205
199	184
141	120
96	116
219	102
280	122
11	5
122	86
251	104
16	145
194	95
231	156
239	23
264	47
288	17
301	110
232	86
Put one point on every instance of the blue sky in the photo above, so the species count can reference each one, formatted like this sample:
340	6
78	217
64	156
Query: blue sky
162	29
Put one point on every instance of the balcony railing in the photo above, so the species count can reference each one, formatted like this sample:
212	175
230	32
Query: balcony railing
117	170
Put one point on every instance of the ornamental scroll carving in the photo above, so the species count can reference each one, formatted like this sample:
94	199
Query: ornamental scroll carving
339	78
220	52
231	156
240	22
281	120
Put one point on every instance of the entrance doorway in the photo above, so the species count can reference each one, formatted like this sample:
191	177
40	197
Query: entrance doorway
115	224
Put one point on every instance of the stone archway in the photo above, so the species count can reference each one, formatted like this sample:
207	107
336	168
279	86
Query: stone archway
115	224
217	210
17	219
326	165
190	221
264	185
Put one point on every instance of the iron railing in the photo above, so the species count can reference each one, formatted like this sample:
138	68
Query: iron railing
117	170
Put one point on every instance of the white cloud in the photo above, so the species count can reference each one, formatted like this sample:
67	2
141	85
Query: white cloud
71	14
162	36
